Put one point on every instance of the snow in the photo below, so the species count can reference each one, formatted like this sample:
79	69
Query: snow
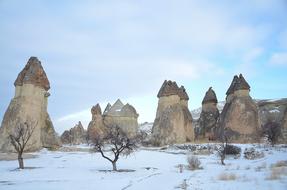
155	168
274	111
196	112
146	127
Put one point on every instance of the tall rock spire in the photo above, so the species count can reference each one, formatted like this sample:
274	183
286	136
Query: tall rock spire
173	122
30	104
208	116
239	120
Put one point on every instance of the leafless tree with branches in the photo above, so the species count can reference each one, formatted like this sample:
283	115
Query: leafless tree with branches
117	141
20	136
223	146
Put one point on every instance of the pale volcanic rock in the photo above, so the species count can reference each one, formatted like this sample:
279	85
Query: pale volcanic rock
76	135
239	118
96	126
209	116
173	122
124	116
30	103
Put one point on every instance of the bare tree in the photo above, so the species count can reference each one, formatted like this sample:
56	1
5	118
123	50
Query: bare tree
223	146
273	131
20	136
117	141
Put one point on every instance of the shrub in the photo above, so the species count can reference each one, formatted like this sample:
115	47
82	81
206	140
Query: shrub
251	154
232	149
277	173
193	162
281	163
273	131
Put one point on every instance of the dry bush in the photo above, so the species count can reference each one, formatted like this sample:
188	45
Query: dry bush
252	154
281	163
193	162
277	173
232	150
227	176
278	170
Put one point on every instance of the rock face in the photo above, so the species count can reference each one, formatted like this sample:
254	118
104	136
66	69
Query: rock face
284	128
125	116
173	122
76	135
239	118
274	112
209	116
96	126
30	103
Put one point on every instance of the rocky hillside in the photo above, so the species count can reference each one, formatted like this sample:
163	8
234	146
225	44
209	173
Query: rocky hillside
275	107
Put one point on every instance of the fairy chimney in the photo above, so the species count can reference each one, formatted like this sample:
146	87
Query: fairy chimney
124	116
96	125
30	103
209	115
239	119
173	122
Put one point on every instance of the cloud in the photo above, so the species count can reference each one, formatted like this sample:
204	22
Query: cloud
101	50
279	58
189	69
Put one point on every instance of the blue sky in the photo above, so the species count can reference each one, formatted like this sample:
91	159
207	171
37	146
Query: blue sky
98	51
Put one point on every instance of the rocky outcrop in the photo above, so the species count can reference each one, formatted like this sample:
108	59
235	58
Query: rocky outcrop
124	116
96	126
273	113
239	120
284	128
208	117
30	103
173	122
76	135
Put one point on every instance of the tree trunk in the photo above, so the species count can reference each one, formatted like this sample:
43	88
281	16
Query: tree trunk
114	166
21	162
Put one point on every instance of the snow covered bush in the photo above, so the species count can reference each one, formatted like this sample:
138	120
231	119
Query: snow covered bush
252	154
193	162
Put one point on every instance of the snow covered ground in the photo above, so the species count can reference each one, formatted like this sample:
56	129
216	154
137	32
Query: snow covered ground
154	169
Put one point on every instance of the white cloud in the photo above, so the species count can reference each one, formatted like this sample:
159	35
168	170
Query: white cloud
279	58
188	69
252	54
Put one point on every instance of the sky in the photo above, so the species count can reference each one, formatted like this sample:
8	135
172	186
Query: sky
99	51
